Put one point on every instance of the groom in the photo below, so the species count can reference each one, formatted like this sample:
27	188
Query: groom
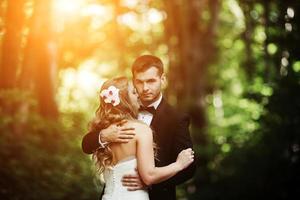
170	127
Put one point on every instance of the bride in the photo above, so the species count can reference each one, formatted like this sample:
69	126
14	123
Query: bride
119	101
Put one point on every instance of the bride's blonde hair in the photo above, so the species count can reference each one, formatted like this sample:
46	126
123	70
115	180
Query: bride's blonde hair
107	114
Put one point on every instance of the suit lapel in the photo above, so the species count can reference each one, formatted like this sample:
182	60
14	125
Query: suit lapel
161	130
158	115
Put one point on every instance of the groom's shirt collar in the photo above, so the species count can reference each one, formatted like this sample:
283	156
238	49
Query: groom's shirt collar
147	117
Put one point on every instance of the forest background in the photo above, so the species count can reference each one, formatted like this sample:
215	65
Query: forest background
233	65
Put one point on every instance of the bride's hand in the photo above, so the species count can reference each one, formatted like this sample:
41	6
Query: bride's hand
185	158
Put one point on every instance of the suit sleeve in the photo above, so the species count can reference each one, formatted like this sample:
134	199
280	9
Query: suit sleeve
90	142
182	140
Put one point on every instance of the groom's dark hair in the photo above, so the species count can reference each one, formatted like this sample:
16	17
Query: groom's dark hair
144	62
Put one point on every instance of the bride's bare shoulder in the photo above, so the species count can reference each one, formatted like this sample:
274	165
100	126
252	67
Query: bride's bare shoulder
139	126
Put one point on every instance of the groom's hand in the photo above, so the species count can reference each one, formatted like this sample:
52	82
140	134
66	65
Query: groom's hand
117	133
133	182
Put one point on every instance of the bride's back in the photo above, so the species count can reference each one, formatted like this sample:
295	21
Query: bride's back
123	150
124	163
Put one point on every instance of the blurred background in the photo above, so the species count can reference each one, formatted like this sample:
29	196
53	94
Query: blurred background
233	65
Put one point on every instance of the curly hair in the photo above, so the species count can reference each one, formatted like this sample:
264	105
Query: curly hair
107	114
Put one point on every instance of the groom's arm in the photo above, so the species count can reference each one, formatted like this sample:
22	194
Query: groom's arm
114	133
182	140
90	142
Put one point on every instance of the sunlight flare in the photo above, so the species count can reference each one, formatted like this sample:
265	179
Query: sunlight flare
67	7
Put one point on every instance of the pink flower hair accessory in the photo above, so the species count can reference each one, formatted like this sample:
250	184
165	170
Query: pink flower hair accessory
111	95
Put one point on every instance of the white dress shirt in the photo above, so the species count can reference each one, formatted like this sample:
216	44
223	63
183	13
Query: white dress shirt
147	117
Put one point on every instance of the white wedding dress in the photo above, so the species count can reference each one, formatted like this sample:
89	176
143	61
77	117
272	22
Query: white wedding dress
114	190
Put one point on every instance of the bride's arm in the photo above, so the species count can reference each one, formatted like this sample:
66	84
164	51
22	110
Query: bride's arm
145	158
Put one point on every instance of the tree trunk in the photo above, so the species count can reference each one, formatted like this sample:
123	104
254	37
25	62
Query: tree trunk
194	52
11	46
247	7
39	65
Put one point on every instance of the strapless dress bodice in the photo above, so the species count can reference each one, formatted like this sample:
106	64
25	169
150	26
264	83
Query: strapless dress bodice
114	190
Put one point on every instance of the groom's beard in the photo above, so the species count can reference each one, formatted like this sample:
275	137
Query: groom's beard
148	98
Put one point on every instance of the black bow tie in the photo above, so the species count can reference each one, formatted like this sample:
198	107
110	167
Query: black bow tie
150	109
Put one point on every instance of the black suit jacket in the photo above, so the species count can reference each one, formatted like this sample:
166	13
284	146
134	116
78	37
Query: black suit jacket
171	134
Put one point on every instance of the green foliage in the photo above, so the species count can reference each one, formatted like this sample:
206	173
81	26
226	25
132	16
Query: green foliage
252	138
40	158
268	165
